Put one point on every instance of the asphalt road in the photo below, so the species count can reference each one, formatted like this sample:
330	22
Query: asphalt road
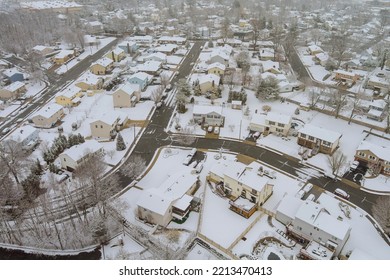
155	137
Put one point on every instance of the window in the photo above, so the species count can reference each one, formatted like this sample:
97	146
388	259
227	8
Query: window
361	154
64	159
372	157
279	130
311	138
254	191
280	125
326	143
303	135
96	126
271	123
101	126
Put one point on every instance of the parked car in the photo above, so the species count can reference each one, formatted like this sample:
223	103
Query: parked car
158	105
187	160
341	193
199	168
308	187
354	165
311	197
210	129
300	194
216	130
192	152
256	135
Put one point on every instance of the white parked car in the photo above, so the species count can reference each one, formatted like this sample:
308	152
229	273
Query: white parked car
300	194
210	129
354	165
308	187
311	197
216	130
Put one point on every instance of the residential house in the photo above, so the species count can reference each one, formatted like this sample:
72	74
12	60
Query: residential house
170	200
95	27
314	49
69	97
266	54
126	96
271	123
116	54
377	110
167	49
150	67
140	78
103	66
271	67
378	84
230	41
128	46
243	185
107	125
321	58
285	87
71	158
63	56
216	68
48	115
12	91
42	50
374	156
172	40
208	115
344	76
237	104
26	136
89	81
207	82
142	40
319	139
13	75
309	221
217	55
159	56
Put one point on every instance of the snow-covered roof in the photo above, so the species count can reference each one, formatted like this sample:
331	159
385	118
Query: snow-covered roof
129	88
278	118
157	55
105	61
183	202
21	133
220	53
48	110
320	133
315	214
69	91
345	73
315	48
117	51
14	86
141	76
159	199
89	78
269	64
149	66
205	78
110	117
40	48
267	52
204	109
216	65
77	152
289	206
172	39
95	23
166	48
41	5
382	152
322	56
146	38
63	54
258	119
10	72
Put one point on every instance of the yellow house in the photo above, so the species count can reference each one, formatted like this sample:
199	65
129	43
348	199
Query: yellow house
207	82
116	54
12	91
102	66
63	56
216	68
48	116
89	81
246	188
69	97
107	126
126	96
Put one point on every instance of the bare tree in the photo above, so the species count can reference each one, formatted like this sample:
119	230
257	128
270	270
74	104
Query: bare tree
381	212
13	159
157	94
355	108
134	166
336	161
338	100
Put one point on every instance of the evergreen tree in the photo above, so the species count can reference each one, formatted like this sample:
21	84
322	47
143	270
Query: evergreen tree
37	168
80	138
120	143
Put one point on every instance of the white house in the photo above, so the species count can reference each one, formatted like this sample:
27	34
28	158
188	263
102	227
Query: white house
314	137
312	221
75	155
208	115
26	136
271	123
171	199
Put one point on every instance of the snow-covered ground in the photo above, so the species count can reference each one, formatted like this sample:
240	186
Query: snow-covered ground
225	227
89	50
